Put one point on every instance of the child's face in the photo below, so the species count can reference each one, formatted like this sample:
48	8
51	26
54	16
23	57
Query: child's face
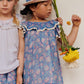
43	10
6	7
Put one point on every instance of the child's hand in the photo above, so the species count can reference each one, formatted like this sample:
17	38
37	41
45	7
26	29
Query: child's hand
19	79
76	20
59	19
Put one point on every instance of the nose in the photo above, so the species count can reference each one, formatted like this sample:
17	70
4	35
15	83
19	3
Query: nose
50	7
5	2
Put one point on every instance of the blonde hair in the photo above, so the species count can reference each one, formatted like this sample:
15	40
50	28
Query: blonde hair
15	19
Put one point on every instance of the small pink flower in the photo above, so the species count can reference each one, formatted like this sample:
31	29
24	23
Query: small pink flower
41	64
46	79
53	69
46	34
39	50
41	58
43	40
48	47
53	43
32	33
28	80
38	40
38	71
55	77
42	73
51	35
36	56
51	72
30	65
9	79
34	51
46	68
35	81
48	59
31	45
34	75
40	81
55	54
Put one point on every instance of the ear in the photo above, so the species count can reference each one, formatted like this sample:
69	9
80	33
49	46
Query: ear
32	8
16	1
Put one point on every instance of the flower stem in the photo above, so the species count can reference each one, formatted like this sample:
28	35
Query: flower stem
62	34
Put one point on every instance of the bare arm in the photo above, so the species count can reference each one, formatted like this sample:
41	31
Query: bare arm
20	58
73	34
76	20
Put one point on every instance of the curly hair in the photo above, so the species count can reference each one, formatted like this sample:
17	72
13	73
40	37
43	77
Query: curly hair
15	20
27	9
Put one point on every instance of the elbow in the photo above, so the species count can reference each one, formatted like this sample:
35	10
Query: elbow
71	43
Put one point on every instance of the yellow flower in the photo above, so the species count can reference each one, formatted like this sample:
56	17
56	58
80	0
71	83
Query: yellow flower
71	56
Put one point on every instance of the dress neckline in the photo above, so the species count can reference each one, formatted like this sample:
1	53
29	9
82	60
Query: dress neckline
40	22
6	21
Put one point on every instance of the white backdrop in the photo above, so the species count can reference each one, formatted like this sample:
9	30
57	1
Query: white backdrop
66	9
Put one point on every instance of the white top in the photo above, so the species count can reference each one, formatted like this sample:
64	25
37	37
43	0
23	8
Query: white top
8	46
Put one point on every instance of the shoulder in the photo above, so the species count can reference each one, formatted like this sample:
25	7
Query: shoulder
54	22
51	24
24	23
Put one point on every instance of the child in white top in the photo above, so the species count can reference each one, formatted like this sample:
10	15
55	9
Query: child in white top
10	50
41	59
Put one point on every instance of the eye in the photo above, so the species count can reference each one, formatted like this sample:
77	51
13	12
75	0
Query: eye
51	4
45	4
9	0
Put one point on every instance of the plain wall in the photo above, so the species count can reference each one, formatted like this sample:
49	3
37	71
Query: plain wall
66	9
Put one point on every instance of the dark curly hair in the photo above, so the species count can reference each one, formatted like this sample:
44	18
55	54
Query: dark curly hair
27	10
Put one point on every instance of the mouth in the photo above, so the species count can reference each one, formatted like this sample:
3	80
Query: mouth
49	13
5	8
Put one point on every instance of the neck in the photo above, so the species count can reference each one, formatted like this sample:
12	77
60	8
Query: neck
5	17
35	19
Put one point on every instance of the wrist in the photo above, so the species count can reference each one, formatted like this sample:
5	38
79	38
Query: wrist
75	26
19	72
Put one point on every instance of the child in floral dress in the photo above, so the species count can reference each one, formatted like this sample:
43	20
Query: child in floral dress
41	59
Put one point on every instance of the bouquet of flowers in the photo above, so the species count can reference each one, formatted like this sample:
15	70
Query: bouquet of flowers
71	53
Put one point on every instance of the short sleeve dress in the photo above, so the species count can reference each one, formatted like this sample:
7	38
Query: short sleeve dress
41	59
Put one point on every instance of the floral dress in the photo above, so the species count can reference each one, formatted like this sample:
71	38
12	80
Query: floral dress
41	60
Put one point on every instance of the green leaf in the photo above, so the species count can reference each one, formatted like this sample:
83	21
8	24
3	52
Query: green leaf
74	48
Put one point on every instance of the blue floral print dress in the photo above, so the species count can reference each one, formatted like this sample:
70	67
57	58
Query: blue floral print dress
41	60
